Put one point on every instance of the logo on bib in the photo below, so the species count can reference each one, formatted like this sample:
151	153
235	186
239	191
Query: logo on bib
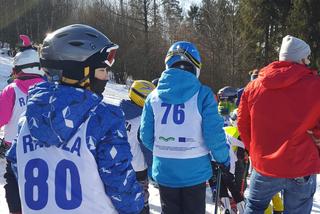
166	139
186	139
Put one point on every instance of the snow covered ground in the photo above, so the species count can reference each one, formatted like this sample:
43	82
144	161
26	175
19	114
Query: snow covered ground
5	70
113	94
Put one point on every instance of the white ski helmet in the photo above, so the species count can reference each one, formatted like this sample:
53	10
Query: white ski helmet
28	62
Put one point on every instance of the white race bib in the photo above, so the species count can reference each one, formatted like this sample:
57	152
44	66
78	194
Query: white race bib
178	132
62	179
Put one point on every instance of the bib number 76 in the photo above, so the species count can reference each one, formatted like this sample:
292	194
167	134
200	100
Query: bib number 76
178	113
36	188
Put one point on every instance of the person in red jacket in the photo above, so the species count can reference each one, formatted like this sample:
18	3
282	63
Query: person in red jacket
275	113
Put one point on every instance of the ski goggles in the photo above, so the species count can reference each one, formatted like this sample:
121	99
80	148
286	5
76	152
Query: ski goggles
109	53
227	99
184	53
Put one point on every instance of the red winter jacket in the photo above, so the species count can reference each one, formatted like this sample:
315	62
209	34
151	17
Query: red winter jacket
275	112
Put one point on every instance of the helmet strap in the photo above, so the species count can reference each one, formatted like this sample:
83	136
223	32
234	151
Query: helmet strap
138	93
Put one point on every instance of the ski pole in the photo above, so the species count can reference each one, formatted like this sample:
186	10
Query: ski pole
245	174
218	189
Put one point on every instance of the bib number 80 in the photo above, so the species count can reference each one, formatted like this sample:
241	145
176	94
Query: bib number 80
36	188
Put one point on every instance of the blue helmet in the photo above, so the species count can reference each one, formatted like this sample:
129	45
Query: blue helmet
184	52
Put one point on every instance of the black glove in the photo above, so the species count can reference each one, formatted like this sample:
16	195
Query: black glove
225	168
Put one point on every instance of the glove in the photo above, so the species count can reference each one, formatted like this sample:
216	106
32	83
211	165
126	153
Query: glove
225	167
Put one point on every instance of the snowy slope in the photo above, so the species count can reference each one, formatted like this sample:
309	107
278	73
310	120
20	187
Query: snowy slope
113	94
5	70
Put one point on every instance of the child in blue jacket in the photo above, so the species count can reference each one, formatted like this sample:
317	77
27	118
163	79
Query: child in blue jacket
132	109
181	125
72	153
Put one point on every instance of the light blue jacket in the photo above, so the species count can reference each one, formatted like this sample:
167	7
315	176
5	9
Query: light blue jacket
175	87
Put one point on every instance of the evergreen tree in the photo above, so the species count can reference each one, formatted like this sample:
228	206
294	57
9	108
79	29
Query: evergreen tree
193	15
263	26
304	23
173	15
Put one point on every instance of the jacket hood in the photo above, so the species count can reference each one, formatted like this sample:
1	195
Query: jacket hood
54	112
177	86
281	74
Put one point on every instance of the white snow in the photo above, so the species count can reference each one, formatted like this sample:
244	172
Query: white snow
5	69
113	93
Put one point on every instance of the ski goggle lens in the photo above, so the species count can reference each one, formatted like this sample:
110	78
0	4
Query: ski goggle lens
226	99
109	53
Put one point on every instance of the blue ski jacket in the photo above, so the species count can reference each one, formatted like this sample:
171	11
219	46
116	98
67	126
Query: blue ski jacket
175	87
49	103
130	109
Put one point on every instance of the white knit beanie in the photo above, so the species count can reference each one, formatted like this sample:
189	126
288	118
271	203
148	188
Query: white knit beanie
293	49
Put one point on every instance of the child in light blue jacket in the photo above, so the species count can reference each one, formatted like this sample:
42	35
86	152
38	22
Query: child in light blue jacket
181	125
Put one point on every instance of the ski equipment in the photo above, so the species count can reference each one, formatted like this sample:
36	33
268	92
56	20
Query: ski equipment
218	186
185	52
227	93
71	54
26	60
139	91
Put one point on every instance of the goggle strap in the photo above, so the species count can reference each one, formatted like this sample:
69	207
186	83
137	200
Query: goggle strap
29	65
193	60
86	79
69	81
184	53
81	82
138	93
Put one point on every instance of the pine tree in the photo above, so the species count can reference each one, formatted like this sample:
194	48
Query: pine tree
304	23
193	15
173	14
263	25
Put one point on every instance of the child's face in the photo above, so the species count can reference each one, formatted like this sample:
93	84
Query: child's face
225	107
101	73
